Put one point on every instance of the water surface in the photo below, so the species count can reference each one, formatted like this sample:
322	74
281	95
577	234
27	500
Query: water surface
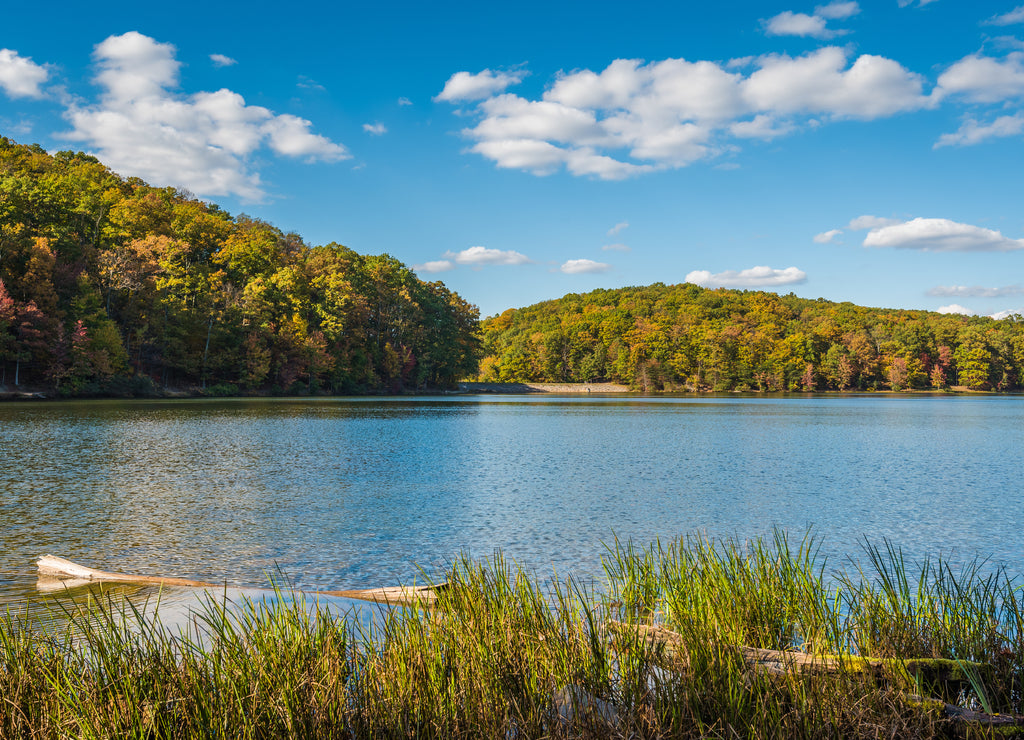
342	493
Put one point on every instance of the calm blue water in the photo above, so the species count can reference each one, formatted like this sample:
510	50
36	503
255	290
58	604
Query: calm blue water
344	493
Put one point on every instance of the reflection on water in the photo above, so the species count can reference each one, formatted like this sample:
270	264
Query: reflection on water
349	493
54	605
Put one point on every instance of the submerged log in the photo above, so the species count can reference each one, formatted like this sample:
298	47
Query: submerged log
397	595
928	671
773	661
56	571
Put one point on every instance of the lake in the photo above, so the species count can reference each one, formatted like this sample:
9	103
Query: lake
360	492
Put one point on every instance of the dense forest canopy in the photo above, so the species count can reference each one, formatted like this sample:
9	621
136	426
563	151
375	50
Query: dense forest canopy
687	338
108	284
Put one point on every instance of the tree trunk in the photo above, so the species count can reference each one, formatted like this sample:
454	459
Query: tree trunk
206	349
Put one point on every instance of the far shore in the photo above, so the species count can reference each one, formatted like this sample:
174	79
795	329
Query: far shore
26	393
515	388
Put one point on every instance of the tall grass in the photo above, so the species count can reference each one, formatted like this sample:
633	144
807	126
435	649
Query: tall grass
498	655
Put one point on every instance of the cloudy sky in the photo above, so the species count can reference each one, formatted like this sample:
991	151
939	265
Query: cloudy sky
857	151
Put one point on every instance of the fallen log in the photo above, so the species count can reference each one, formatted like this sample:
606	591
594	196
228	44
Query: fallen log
774	661
52	568
784	662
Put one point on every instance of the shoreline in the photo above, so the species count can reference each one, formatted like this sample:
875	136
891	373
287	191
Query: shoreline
474	388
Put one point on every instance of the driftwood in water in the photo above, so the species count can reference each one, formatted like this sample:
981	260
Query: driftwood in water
50	566
784	662
59	569
391	594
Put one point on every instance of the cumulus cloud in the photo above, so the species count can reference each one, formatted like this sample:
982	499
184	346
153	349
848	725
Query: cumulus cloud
827	237
634	117
404	101
142	126
955	308
375	129
972	132
981	79
755	277
219	60
435	266
616	248
1000	315
819	83
940	235
837	10
1007	19
20	77
618	227
479	256
974	291
788	23
762	127
871	222
463	86
583	266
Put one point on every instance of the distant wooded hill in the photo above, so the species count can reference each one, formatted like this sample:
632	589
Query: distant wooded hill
687	338
110	285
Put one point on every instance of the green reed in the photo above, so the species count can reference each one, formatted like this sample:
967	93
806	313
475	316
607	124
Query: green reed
502	654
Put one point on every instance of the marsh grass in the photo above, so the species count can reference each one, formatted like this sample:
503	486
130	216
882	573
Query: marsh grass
500	655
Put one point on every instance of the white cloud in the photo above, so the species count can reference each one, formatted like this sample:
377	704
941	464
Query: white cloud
955	308
1007	19
435	266
788	23
982	79
290	135
971	132
908	3
762	126
1000	315
618	227
755	277
219	60
974	291
141	126
375	129
20	77
632	118
819	83
478	256
616	248
583	266
307	83
827	237
871	222
463	86
940	235
404	101
837	10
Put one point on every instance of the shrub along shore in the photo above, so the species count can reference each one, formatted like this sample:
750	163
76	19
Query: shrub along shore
696	638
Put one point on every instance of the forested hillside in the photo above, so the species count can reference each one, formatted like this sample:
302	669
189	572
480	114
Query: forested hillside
683	337
110	285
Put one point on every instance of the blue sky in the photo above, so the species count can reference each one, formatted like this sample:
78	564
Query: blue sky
857	151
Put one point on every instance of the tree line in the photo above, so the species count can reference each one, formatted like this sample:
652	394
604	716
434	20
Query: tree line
688	338
110	285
